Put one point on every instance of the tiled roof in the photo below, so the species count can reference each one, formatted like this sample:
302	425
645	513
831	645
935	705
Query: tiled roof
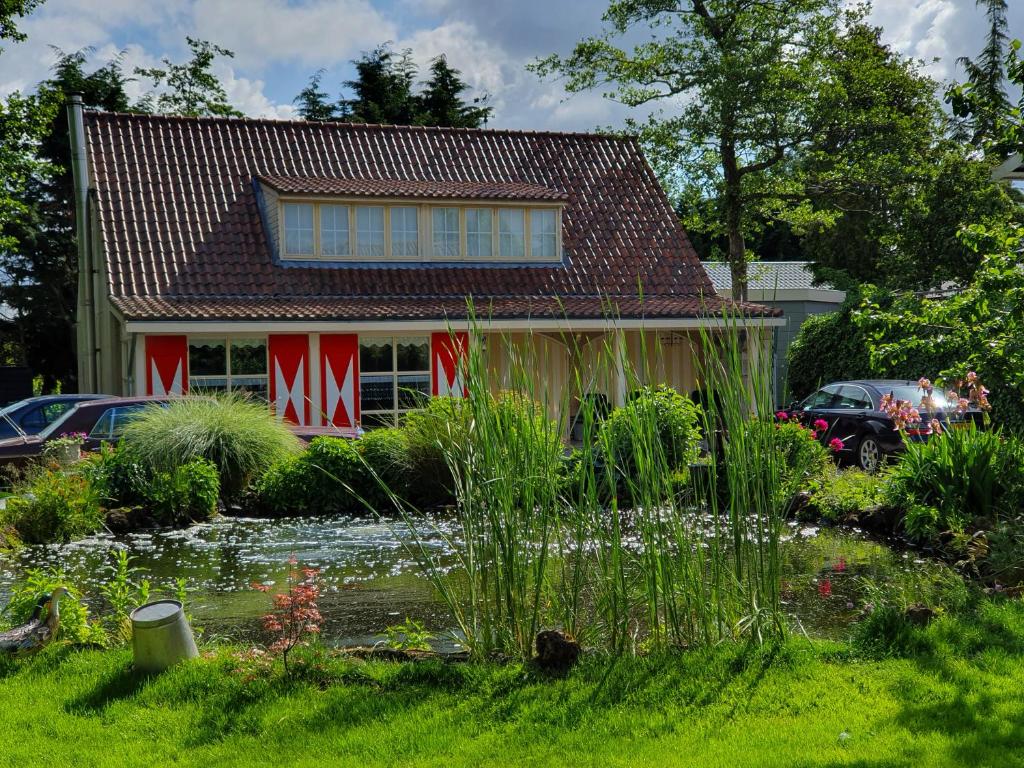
466	190
764	275
180	225
427	308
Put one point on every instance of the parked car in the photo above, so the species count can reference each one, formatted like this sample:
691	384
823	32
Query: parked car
32	415
102	421
852	410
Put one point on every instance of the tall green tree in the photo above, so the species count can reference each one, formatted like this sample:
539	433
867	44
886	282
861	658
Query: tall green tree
38	260
313	102
733	77
190	88
10	12
382	91
442	103
987	74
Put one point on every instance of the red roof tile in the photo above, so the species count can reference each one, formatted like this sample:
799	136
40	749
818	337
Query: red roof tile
465	190
181	228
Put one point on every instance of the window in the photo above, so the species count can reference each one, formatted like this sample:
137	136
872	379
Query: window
394	376
511	233
479	233
298	229
334	230
39	418
228	365
445	228
821	399
370	231
405	233
543	241
851	397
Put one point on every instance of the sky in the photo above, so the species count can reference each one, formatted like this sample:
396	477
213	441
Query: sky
278	44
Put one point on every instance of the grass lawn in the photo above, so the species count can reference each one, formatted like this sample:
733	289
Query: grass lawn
958	701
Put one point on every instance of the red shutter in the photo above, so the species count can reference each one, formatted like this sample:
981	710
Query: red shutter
448	357
166	365
289	376
339	379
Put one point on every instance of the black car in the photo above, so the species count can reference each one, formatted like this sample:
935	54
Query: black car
33	415
852	412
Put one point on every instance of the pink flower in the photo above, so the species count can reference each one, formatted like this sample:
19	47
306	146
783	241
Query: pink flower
936	427
924	383
813	435
820	425
781	415
972	378
836	444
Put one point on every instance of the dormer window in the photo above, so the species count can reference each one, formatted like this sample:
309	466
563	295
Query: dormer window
378	220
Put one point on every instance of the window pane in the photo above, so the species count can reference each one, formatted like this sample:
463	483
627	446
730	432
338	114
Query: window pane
207	357
377	393
478	232
248	356
122	417
208	384
334	230
445	228
375	355
413	390
371	420
413	353
542	234
370	231
251	385
405	234
298	229
511	232
103	425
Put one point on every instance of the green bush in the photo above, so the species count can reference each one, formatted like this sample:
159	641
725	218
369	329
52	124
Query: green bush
841	494
432	432
329	476
803	457
75	624
186	493
660	413
54	505
386	452
963	480
828	347
239	435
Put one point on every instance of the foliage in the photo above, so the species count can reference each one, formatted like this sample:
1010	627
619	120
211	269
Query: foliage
185	494
240	436
383	93
10	10
827	348
410	635
54	505
122	592
964	478
434	432
75	623
386	455
295	617
191	88
838	495
329	476
676	417
803	455
986	80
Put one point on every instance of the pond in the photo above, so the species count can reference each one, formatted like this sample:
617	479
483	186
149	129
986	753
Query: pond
371	582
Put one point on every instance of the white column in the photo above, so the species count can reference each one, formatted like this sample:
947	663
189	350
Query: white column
315	410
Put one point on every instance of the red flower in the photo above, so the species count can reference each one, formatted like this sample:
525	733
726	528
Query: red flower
825	588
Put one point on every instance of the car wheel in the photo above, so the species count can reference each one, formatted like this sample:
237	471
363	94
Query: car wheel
869	454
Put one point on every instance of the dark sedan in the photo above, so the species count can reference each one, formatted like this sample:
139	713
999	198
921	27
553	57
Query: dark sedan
853	414
32	416
102	421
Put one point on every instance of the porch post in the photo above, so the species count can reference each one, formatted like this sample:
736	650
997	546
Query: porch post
619	350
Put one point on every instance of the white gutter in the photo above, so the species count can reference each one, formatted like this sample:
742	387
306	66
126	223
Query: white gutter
322	326
86	300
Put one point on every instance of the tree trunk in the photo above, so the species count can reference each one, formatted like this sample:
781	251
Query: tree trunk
734	219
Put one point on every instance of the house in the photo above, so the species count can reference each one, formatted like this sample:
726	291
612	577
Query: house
327	266
787	286
1011	169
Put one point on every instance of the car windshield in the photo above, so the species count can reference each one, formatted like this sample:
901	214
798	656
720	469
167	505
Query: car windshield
7	420
913	395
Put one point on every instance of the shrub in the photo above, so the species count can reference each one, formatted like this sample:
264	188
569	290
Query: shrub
75	624
433	432
239	435
386	452
828	347
661	413
54	505
186	493
325	478
841	494
962	479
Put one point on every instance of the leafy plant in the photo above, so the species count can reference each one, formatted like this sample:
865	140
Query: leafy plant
433	432
123	591
841	494
54	505
410	635
240	436
296	617
75	624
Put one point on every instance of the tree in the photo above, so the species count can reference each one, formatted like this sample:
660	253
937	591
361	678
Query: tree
441	101
10	10
38	260
382	89
191	88
987	75
312	100
736	73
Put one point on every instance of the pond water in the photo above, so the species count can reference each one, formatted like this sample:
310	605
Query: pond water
371	582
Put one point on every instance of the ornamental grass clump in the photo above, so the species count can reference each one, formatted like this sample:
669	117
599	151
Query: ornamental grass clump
239	435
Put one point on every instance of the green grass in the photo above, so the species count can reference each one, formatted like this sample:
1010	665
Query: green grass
958	703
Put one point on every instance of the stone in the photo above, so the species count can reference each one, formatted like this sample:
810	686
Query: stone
919	614
556	651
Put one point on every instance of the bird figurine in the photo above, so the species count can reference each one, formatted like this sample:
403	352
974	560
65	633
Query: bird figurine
39	630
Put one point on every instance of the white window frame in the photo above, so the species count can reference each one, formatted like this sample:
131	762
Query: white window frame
396	412
194	382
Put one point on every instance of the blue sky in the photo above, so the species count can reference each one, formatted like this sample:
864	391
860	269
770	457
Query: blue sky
279	43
